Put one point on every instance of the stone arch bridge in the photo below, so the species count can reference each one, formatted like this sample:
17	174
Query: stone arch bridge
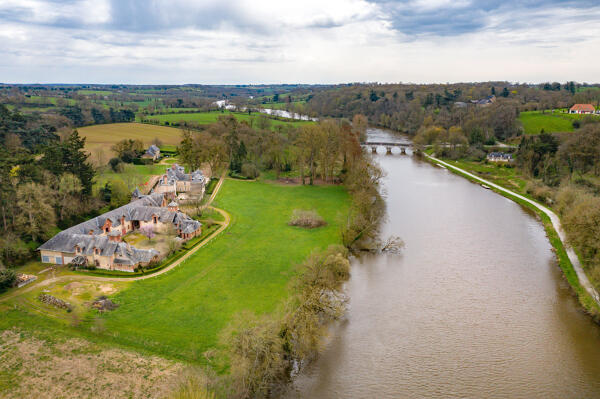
388	146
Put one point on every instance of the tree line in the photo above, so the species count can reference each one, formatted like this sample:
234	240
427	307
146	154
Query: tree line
45	183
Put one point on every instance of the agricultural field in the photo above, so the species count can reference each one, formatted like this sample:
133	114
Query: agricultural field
534	121
102	137
205	118
179	314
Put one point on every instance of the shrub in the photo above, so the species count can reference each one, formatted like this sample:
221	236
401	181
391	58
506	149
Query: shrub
116	165
306	219
7	279
250	171
540	192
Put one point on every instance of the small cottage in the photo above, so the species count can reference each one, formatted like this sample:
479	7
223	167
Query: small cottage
153	152
499	157
582	109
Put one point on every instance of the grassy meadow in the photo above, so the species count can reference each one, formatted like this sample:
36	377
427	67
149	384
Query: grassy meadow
534	121
248	267
180	314
132	175
102	137
206	118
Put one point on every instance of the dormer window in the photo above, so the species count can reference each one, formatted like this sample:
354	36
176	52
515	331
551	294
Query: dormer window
96	251
77	250
107	230
154	219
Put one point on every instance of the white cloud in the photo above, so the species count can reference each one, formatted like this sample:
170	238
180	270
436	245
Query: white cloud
279	41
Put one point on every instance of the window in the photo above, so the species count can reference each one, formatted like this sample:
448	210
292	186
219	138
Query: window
58	260
107	229
46	259
154	219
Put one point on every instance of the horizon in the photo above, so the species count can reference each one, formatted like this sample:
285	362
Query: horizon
243	42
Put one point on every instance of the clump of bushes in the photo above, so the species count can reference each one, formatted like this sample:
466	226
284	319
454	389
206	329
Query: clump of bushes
8	277
540	192
307	219
264	349
250	171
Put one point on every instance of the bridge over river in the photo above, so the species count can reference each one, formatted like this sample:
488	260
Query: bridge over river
388	146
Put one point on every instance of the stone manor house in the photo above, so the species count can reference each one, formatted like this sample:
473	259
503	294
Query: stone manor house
99	242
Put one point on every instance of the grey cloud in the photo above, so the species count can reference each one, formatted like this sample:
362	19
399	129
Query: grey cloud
456	19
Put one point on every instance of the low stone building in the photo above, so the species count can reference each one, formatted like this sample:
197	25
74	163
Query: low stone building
175	181
153	152
100	239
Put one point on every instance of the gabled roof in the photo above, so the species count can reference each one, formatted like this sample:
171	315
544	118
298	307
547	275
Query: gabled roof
153	150
141	209
583	108
177	173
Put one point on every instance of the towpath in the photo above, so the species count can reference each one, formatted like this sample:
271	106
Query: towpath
583	278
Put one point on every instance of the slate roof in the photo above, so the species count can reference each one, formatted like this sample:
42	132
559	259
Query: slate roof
143	208
153	151
177	173
502	155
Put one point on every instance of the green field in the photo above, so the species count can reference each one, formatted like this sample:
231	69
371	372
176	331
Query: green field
96	92
534	121
132	175
179	314
247	267
205	118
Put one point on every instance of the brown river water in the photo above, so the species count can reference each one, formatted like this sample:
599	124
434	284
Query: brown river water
474	307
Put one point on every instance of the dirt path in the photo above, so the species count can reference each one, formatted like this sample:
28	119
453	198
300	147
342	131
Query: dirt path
583	278
173	265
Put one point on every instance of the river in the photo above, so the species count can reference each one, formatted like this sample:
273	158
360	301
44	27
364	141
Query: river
474	307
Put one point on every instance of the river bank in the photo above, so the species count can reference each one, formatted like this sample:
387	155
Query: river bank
474	306
568	259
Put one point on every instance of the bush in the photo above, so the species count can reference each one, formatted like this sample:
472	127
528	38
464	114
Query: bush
250	171
540	192
8	277
116	165
306	219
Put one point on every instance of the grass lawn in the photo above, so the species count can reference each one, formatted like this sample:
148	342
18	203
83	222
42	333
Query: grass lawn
205	118
132	175
104	136
496	173
534	121
248	267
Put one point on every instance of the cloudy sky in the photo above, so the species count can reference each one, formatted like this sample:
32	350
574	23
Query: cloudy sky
290	41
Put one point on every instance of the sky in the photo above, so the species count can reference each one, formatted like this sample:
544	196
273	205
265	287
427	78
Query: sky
291	41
